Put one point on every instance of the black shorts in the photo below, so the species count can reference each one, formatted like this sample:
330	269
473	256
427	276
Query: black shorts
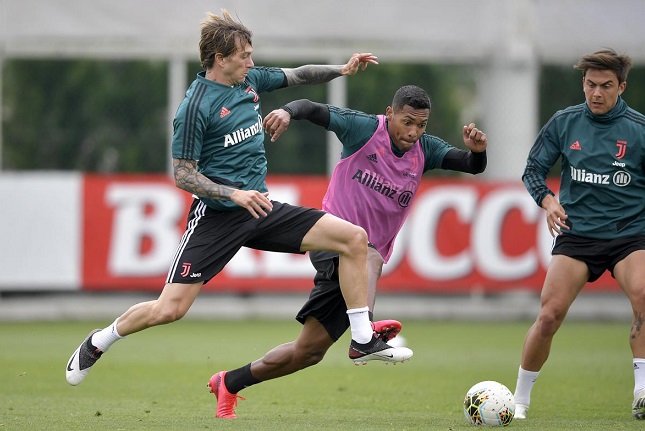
326	302
599	254
213	237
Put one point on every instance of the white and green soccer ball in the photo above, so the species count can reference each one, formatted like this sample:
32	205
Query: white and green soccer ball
489	403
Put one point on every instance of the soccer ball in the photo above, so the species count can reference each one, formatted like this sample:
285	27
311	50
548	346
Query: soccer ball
489	403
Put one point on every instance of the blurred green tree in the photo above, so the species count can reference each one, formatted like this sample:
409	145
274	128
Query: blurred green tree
85	115
100	116
111	116
371	92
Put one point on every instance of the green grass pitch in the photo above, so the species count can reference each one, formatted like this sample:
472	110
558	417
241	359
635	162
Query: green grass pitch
156	380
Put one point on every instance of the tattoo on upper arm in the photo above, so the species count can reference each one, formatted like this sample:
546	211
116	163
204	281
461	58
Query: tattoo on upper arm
188	178
312	74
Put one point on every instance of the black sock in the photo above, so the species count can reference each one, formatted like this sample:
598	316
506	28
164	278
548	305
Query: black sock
236	380
369	344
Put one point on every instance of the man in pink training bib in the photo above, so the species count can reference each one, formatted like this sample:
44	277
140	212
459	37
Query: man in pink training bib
373	186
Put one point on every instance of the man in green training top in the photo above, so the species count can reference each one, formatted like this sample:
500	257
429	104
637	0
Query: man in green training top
218	156
599	220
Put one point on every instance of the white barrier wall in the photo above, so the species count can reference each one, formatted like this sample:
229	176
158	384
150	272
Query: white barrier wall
40	231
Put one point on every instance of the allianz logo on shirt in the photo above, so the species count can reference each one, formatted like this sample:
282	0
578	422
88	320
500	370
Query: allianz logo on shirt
243	133
620	178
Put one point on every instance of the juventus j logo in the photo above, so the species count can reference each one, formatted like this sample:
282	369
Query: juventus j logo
250	90
186	270
622	149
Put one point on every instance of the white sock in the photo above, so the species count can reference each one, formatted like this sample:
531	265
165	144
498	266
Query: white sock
359	322
639	375
525	382
103	339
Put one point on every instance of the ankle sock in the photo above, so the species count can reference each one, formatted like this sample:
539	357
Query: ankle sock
639	375
525	381
236	380
103	339
360	325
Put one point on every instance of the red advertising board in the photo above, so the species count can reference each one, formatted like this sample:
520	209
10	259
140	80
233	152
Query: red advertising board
461	236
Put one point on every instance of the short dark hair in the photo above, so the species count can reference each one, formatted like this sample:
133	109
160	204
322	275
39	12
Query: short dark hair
411	95
606	59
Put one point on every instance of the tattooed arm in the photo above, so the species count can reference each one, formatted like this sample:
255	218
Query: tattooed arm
189	179
318	74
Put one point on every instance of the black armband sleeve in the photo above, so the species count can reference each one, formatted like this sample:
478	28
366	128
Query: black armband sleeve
464	161
303	109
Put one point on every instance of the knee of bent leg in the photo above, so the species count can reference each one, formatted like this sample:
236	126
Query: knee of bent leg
357	240
550	321
169	313
637	299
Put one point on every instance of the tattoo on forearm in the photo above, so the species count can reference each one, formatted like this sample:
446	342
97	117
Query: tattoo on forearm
312	74
188	178
637	325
